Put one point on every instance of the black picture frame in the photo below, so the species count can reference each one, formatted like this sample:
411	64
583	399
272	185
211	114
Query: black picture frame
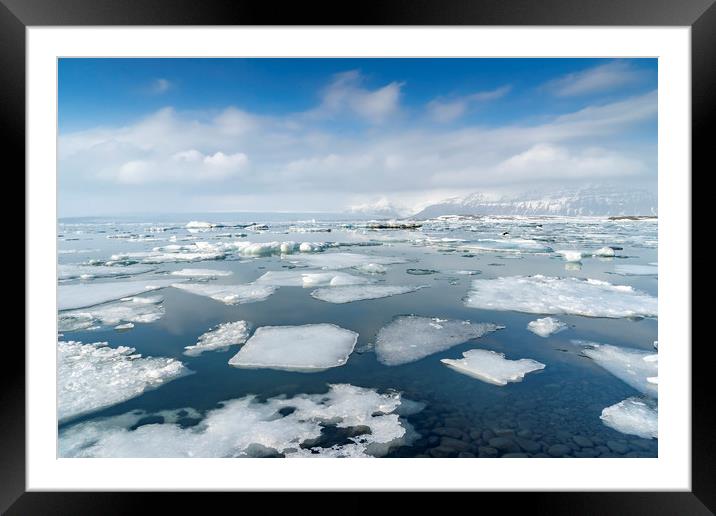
16	15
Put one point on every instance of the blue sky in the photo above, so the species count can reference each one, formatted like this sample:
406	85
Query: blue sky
141	135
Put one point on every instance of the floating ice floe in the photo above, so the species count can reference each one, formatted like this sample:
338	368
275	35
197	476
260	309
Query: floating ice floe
94	376
303	278
167	257
90	294
636	270
368	425
225	335
349	294
605	252
409	338
510	245
228	294
549	295
372	268
126	311
546	326
633	366
307	348
343	260
633	416
201	273
492	367
571	256
65	272
197	224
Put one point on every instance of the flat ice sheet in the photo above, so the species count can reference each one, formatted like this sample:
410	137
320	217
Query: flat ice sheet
492	367
90	294
546	326
409	338
201	273
127	310
228	294
330	260
73	271
246	427
349	294
306	348
304	278
94	376
632	366
549	295
220	338
633	416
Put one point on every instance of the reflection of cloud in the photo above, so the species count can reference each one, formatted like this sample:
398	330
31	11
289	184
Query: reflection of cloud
600	78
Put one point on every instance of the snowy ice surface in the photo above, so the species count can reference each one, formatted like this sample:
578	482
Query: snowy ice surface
549	295
409	338
90	294
492	367
546	326
201	273
636	270
372	268
632	366
228	294
65	272
94	376
571	256
307	348
246	427
604	252
225	335
343	260
361	292
196	224
509	245
127	310
304	278
633	416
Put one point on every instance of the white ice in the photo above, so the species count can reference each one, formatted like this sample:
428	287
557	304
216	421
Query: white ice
90	294
571	256
94	376
604	252
409	338
304	278
549	295
343	260
246	427
492	367
546	326
307	348
633	416
632	366
636	270
127	310
225	335
372	268
228	294
201	273
65	271
510	245
349	294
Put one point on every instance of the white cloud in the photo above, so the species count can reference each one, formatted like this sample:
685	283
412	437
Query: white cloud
604	77
160	86
444	111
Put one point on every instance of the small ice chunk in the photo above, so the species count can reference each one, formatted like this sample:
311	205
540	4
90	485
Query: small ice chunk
197	224
228	294
372	268
549	295
90	294
307	348
126	326
636	270
571	256
632	366
492	367
410	338
201	273
124	311
94	376
633	416
349	294
225	335
546	326
343	260
604	251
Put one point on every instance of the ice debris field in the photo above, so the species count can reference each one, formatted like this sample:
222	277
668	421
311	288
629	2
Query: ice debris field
295	336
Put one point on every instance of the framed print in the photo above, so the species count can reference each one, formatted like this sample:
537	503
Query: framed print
435	248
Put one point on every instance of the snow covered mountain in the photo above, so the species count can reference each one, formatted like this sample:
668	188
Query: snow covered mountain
597	201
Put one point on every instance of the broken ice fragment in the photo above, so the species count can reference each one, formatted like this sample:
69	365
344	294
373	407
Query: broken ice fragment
492	367
225	335
632	366
633	416
349	294
228	294
546	326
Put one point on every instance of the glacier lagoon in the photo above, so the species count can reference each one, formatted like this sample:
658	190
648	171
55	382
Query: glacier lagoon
143	286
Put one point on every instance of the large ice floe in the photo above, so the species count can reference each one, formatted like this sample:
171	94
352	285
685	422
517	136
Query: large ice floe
304	278
549	295
633	416
90	294
546	326
228	294
492	367
219	339
347	421
126	311
94	376
201	273
343	260
409	338
509	245
349	294
82	271
306	348
637	368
